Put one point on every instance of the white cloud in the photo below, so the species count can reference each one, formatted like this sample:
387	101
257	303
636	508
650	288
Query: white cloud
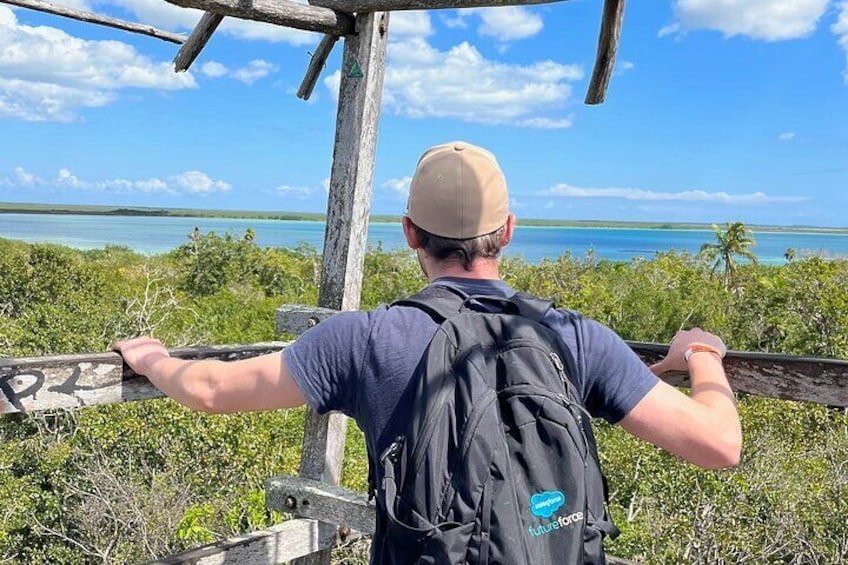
254	71
787	136
213	69
457	19
505	23
411	23
770	20
637	194
671	29
196	182
26	179
547	123
840	28
189	182
298	192
66	180
399	185
622	66
422	82
56	74
333	82
248	74
509	23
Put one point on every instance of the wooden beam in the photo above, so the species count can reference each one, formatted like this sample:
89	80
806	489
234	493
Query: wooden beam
281	543
308	498
608	40
92	18
279	12
786	377
336	505
316	66
195	43
390	5
30	384
296	319
360	93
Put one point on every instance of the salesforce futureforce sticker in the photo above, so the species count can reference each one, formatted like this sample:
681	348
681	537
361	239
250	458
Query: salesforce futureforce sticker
544	505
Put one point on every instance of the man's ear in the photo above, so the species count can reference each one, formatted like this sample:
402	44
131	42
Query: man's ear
507	233
409	233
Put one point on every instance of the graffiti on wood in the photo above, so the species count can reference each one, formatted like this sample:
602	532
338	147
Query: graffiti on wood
23	388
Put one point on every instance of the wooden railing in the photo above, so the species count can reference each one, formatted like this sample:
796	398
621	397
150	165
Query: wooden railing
328	513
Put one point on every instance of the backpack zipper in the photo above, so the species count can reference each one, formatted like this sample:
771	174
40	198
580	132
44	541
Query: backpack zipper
557	362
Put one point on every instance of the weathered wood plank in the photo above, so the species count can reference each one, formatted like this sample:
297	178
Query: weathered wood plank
390	5
786	377
29	384
349	202
92	18
307	498
279	12
316	65
608	40
198	39
333	504
296	319
281	543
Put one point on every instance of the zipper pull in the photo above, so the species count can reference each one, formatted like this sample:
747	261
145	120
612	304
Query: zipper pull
391	453
558	365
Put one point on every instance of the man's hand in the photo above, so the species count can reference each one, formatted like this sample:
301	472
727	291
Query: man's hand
141	353
696	339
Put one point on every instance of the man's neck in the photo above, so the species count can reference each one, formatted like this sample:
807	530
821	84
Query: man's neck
481	269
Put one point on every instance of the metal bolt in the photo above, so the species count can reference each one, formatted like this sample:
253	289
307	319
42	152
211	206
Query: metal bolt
312	322
291	502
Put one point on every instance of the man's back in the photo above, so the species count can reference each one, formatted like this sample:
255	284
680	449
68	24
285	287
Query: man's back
365	363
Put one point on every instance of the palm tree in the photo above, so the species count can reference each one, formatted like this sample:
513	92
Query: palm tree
789	254
731	242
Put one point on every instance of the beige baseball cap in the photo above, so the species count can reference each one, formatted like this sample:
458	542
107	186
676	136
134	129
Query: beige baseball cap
458	191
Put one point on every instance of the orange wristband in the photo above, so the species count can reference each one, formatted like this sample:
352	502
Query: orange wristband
700	348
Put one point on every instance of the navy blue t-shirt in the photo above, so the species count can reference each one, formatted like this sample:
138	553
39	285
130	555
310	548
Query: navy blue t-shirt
361	363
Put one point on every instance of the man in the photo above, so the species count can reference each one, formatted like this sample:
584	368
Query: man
361	363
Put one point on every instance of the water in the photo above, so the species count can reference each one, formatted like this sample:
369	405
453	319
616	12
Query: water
154	234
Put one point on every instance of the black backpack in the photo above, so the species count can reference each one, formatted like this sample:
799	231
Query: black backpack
498	464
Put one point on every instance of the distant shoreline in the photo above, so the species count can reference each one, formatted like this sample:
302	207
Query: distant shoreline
94	210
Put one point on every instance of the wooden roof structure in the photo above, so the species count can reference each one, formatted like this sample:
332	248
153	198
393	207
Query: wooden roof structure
334	18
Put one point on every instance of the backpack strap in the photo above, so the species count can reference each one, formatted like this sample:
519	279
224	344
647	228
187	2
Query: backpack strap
439	301
442	302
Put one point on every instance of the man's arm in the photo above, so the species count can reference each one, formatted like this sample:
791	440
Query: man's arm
702	428
259	383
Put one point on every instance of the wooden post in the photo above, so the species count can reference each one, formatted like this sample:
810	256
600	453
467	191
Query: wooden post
608	39
349	203
197	41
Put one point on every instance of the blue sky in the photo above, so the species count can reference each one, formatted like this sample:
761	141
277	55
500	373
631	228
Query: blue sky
732	110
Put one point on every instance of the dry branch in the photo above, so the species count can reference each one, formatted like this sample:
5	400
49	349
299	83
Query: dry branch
196	41
607	48
387	5
92	18
279	12
316	65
